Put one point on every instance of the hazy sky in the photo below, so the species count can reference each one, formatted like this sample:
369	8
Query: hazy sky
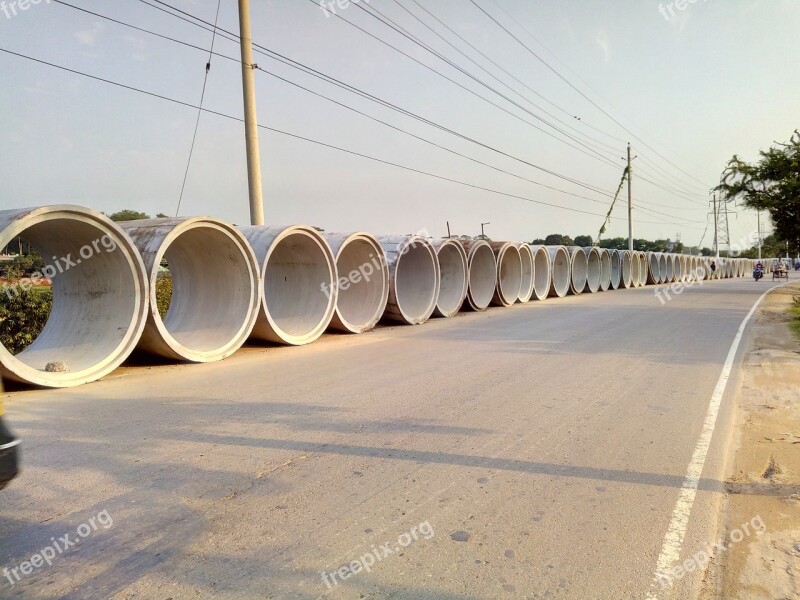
692	86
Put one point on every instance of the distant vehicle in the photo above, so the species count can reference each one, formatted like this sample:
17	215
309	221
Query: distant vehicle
758	272
9	450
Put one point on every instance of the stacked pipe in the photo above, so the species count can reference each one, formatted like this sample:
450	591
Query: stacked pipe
283	285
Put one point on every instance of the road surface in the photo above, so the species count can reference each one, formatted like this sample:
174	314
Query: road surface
532	452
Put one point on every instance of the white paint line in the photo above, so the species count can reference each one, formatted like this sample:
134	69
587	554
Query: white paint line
673	540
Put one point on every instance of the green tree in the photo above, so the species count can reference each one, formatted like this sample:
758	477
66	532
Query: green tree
556	239
23	314
771	184
128	215
583	240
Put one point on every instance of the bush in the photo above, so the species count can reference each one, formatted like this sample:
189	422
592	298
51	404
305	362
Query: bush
163	294
23	314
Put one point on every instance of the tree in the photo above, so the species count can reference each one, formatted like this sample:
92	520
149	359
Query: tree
23	314
583	240
556	239
128	215
162	216
771	184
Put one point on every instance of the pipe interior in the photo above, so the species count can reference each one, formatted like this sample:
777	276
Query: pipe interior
453	279
580	267
363	266
212	289
627	268
614	268
510	274
415	281
482	276
296	272
593	270
561	272
541	273
94	300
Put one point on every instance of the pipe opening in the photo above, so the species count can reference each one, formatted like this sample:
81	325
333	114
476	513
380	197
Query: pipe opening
415	276
362	300
526	273
453	282
541	272
482	276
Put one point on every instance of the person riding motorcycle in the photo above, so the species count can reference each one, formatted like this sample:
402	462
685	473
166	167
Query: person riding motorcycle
758	271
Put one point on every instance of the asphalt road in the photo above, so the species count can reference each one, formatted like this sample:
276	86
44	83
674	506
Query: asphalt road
530	452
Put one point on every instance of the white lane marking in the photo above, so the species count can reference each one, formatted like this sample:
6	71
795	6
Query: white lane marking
673	540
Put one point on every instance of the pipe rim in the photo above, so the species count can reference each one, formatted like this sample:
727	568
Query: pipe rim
448	303
22	220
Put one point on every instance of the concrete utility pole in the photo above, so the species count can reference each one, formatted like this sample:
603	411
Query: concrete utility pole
630	201
250	117
758	216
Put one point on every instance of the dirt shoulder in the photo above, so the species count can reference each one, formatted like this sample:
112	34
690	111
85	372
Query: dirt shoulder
763	484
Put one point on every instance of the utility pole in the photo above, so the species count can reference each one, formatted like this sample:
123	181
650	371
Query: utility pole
716	240
250	117
630	201
758	216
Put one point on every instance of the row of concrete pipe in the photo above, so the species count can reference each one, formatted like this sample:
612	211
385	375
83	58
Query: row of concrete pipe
284	285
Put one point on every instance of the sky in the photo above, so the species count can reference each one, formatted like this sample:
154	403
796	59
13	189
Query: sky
531	138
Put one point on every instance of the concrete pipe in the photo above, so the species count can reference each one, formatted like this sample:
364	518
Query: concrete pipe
669	266
579	269
593	270
453	280
605	268
662	267
560	273
215	288
509	273
482	276
644	268
363	283
299	283
414	278
653	268
526	279
681	274
626	268
99	295
542	272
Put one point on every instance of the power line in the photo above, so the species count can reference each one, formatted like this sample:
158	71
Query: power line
199	110
299	137
587	98
304	68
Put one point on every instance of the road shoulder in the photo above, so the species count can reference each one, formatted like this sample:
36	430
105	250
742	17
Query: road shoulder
759	553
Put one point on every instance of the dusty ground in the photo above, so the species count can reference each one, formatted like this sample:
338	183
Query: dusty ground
763	487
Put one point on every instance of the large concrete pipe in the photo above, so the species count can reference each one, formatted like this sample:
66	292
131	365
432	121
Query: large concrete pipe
414	278
215	287
644	269
579	267
560	271
99	295
482	273
453	277
662	267
509	273
526	277
682	268
363	283
300	285
629	268
593	270
542	272
669	260
615	259
653	268
605	269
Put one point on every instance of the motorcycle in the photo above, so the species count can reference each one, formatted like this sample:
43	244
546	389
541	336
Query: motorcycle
758	273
